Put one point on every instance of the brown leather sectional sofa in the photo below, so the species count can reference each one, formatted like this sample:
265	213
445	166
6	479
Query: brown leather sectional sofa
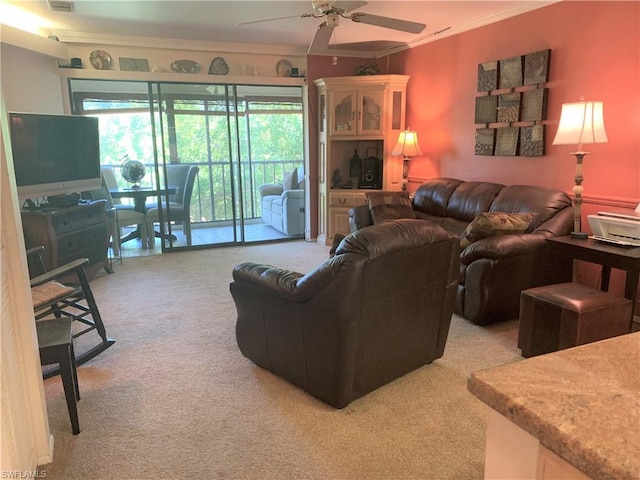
494	270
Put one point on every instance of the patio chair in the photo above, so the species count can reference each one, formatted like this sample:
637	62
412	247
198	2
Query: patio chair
120	215
183	178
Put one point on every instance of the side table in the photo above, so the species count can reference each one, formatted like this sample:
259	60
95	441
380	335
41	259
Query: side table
609	256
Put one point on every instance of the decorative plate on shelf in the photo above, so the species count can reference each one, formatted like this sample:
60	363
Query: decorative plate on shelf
100	60
283	68
185	66
219	66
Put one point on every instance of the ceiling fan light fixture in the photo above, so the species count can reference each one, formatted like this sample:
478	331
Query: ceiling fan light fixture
321	6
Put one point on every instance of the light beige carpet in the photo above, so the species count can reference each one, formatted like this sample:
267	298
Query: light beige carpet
174	398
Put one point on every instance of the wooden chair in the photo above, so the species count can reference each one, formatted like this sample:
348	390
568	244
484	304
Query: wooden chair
65	292
56	347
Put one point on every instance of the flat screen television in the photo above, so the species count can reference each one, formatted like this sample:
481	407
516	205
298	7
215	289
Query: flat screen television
54	155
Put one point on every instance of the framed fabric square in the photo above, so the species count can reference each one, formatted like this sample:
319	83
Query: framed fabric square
509	107
485	141
534	104
532	141
487	76
486	109
511	72
507	141
536	67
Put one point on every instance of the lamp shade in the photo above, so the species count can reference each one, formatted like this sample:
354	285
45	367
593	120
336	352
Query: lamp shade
581	122
407	144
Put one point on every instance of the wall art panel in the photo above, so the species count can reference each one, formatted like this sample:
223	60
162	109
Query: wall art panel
534	104
536	67
485	140
508	107
532	141
486	109
507	141
487	76
511	72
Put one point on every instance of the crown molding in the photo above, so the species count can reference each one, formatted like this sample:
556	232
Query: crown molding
178	44
465	27
32	42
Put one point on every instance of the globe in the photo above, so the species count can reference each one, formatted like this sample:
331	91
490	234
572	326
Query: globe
133	171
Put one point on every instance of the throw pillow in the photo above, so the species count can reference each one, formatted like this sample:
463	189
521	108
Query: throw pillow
300	177
385	206
491	224
290	180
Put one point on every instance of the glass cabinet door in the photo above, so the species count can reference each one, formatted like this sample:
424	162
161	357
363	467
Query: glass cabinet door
370	112
343	113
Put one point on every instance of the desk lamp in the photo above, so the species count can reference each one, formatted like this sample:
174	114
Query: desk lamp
408	147
580	122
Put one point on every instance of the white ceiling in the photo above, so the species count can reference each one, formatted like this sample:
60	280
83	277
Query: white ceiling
216	21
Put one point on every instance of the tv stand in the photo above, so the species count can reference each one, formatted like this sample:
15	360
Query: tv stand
68	233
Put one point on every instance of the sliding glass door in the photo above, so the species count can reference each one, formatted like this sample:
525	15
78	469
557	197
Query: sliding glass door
236	138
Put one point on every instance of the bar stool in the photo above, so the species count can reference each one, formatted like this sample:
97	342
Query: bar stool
563	315
56	347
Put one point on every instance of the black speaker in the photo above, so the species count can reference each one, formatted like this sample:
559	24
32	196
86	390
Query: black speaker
372	172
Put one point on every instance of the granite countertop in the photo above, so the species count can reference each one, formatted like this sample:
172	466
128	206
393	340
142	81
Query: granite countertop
582	403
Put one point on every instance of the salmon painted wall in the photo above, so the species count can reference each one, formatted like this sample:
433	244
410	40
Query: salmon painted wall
595	52
595	48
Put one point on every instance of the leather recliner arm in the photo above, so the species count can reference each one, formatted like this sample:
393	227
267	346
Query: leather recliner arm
503	246
286	284
359	217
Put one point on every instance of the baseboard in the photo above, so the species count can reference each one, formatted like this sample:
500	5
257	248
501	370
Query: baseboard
49	457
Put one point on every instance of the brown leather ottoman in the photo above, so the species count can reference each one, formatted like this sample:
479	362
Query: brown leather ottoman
554	317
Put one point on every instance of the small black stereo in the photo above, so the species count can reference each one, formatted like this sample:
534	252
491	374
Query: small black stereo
372	169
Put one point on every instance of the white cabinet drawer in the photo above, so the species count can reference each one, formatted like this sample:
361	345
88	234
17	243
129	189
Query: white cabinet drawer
347	199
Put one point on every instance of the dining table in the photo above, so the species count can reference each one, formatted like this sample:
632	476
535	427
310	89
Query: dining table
139	196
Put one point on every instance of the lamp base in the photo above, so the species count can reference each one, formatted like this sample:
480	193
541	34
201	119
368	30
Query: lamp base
579	235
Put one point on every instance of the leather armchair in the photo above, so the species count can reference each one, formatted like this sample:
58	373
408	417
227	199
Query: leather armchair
378	309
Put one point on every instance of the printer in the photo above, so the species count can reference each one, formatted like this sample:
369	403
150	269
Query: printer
616	227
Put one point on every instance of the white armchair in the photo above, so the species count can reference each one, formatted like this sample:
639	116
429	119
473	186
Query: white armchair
283	204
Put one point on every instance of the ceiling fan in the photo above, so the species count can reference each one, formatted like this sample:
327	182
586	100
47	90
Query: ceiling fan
335	10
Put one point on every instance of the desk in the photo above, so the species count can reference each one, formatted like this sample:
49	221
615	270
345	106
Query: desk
609	256
139	196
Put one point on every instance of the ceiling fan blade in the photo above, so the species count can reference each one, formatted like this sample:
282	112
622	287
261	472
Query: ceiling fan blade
347	6
267	20
367	46
321	39
388	22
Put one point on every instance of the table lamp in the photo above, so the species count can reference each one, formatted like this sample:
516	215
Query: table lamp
408	147
580	122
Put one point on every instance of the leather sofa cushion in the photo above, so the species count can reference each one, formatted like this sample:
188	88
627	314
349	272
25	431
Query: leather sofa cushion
470	199
433	196
527	198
